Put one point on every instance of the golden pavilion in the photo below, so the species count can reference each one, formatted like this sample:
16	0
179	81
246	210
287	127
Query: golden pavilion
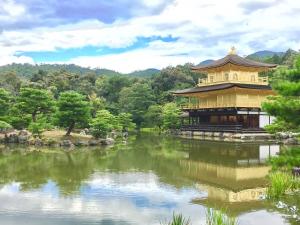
229	99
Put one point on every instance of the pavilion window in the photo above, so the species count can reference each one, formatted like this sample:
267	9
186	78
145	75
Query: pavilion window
235	76
226	76
211	78
253	78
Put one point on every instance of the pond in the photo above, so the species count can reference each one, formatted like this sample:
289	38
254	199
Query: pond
143	181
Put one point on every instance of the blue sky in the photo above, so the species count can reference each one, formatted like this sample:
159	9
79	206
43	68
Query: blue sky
127	35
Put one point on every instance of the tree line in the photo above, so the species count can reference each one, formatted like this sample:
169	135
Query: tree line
101	103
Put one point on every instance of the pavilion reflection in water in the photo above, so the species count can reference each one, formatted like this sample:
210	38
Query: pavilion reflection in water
231	173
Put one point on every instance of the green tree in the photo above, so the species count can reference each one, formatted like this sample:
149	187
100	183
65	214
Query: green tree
73	109
125	121
4	102
10	81
172	78
136	101
103	123
286	105
35	102
97	103
171	116
154	116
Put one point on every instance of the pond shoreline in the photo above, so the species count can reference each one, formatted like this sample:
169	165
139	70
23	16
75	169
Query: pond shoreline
54	138
280	138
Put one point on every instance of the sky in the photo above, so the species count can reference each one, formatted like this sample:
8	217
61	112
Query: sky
129	35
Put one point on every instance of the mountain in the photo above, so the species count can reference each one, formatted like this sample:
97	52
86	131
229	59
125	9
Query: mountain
281	58
205	62
264	54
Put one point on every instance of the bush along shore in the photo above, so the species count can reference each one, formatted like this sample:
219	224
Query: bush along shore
56	138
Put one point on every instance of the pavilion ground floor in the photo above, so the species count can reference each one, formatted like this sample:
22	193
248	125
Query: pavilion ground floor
225	120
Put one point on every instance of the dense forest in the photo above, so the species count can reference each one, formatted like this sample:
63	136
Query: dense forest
70	97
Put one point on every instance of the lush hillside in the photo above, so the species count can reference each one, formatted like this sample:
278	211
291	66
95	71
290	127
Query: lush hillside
27	70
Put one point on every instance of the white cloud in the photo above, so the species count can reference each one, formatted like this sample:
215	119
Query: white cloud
114	199
4	60
204	30
11	9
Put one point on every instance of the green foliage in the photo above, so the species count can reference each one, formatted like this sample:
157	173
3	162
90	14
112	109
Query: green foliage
154	116
278	126
4	125
110	87
125	121
35	102
219	217
17	119
286	160
286	106
179	220
73	109
171	116
4	102
172	78
136	101
97	103
281	183
10	81
103	123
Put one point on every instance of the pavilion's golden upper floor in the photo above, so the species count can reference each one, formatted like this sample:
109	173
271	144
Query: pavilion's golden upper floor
232	76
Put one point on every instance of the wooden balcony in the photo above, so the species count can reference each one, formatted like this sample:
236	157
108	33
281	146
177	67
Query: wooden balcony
207	82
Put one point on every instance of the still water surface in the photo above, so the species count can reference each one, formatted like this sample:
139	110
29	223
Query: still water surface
141	182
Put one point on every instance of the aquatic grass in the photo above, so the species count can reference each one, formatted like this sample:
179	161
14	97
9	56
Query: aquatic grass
219	217
281	183
179	220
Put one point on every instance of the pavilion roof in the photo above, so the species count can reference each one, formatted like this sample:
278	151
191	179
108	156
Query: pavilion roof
220	87
235	60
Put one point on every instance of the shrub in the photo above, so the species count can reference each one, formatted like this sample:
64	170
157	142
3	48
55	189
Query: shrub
4	126
286	160
104	123
37	128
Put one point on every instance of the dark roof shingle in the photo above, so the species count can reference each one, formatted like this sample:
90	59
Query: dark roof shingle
220	87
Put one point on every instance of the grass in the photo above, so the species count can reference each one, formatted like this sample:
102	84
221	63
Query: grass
219	217
281	183
179	220
213	217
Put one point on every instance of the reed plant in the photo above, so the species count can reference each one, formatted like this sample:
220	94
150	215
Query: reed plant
179	220
281	183
219	217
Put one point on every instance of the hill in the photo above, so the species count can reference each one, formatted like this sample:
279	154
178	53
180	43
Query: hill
264	54
281	58
205	62
27	70
144	73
